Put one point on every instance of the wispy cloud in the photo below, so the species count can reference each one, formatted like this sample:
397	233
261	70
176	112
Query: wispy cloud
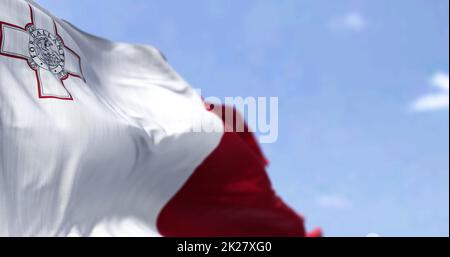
333	201
437	100
351	21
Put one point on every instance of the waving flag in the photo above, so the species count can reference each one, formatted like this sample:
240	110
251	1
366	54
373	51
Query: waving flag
95	141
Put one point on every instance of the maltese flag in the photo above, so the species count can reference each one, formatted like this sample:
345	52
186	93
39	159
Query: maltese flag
102	139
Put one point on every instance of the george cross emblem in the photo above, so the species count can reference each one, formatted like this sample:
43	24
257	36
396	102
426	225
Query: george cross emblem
44	50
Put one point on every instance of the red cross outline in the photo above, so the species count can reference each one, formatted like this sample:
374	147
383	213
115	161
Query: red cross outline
36	70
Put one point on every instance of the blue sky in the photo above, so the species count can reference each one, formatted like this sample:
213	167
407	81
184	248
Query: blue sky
363	91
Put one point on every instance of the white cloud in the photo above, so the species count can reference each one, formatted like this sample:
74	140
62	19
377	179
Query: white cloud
333	201
435	101
352	21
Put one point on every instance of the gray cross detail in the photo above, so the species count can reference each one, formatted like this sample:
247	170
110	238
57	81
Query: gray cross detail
42	47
